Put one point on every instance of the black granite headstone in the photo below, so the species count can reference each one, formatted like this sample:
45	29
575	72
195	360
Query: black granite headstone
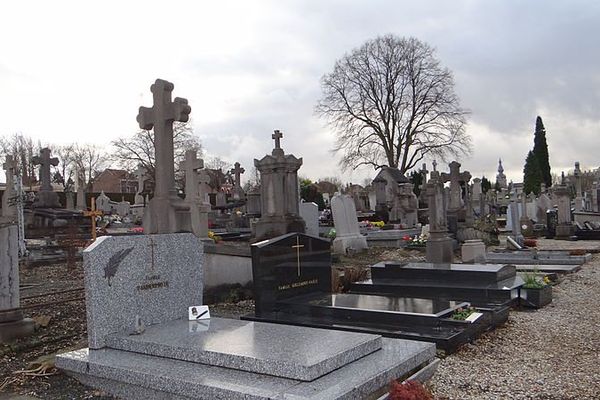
289	266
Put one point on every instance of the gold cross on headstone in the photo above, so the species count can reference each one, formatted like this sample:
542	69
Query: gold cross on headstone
298	246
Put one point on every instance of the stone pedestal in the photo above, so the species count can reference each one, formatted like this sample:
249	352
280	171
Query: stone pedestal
12	323
279	194
439	249
473	252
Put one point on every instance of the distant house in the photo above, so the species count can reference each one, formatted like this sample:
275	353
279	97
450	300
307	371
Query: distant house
115	181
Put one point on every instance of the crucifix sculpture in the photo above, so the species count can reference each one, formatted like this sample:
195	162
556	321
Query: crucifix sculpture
277	135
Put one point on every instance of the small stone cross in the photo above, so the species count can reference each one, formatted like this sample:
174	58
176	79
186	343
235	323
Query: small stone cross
161	117
434	163
191	165
237	171
45	161
277	135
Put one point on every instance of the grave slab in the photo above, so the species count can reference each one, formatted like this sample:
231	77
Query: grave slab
277	350
138	376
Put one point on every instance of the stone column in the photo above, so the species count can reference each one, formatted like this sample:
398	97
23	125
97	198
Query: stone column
578	194
12	323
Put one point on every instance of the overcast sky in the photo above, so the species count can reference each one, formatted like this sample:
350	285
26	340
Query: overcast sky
71	72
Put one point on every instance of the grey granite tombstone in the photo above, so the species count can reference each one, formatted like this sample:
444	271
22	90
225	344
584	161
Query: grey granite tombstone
141	173
166	212
198	208
439	246
253	207
151	278
309	212
45	197
79	188
347	232
564	229
9	209
12	323
279	193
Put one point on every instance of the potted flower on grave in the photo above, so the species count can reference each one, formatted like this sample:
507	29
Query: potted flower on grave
536	292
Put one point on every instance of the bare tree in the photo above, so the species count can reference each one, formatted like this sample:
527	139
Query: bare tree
391	103
23	149
139	148
90	161
65	171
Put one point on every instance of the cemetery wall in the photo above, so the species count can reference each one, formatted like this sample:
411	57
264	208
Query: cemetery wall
226	266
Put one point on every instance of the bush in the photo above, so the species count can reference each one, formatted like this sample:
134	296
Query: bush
410	390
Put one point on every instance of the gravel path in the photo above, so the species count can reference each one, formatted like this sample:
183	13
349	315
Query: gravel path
552	353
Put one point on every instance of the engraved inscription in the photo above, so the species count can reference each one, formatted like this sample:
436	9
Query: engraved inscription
296	285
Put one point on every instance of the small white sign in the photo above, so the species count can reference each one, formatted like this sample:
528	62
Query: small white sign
473	317
198	312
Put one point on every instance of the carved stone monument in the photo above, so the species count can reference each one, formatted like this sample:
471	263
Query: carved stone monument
12	323
45	197
279	193
238	192
141	173
564	229
455	205
198	208
347	232
166	212
439	246
9	208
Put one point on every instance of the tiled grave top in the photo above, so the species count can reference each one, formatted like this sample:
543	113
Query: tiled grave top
279	350
383	303
170	378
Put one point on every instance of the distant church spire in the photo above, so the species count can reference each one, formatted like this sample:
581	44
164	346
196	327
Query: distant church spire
500	168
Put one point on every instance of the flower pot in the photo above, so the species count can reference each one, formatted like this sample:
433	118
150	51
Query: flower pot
536	298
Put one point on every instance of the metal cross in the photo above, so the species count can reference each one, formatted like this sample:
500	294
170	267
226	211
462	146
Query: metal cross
298	246
93	214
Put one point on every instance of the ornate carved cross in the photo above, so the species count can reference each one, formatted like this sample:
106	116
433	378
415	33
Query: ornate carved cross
237	171
161	117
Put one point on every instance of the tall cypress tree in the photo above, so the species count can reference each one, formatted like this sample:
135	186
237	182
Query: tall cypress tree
540	151
532	175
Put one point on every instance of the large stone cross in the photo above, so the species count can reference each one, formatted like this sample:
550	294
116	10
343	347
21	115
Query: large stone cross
237	171
45	161
191	165
161	117
455	177
277	135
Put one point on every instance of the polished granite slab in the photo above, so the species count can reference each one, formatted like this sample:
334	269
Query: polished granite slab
465	273
138	376
392	304
550	257
279	350
550	268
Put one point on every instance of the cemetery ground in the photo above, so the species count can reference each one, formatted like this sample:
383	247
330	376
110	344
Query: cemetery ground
551	353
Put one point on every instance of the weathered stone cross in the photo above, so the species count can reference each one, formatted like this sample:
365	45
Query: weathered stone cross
277	135
191	165
237	171
161	117
45	161
455	177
